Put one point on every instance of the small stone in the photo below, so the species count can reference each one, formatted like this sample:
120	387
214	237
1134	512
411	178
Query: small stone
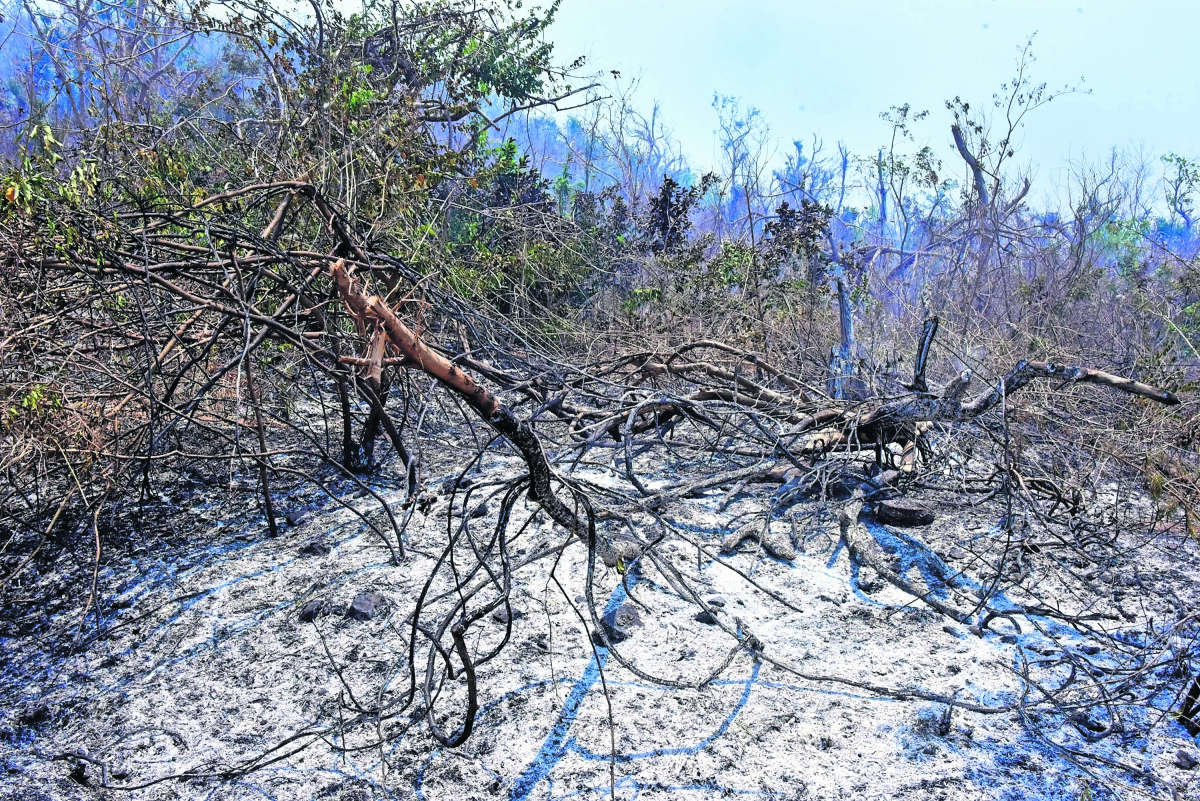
501	614
295	518
479	511
957	553
716	601
706	618
309	612
449	484
1090	650
364	606
952	631
903	513
579	599
315	548
1083	720
1010	639
1185	761
618	624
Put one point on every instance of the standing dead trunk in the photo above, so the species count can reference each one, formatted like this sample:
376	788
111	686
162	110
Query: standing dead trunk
263	472
843	366
928	332
349	448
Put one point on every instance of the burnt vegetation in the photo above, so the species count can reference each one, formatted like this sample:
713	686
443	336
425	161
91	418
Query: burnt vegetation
253	255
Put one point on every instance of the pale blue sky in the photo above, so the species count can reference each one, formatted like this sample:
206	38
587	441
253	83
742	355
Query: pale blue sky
830	66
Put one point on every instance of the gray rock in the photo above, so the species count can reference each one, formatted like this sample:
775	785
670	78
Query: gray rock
448	485
501	614
869	582
365	605
310	611
1185	761
315	548
706	618
716	601
618	624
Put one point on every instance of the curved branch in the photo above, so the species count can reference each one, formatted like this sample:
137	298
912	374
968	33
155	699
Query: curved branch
972	162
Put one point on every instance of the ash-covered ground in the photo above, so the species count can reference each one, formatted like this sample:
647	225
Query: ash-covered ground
272	668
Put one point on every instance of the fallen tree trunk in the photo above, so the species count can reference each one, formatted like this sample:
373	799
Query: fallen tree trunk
885	421
948	408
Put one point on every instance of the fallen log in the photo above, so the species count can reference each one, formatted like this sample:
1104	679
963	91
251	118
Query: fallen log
948	408
895	420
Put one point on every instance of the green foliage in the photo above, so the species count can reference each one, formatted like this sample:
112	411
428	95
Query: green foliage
732	265
639	297
34	181
37	405
1180	184
1123	241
